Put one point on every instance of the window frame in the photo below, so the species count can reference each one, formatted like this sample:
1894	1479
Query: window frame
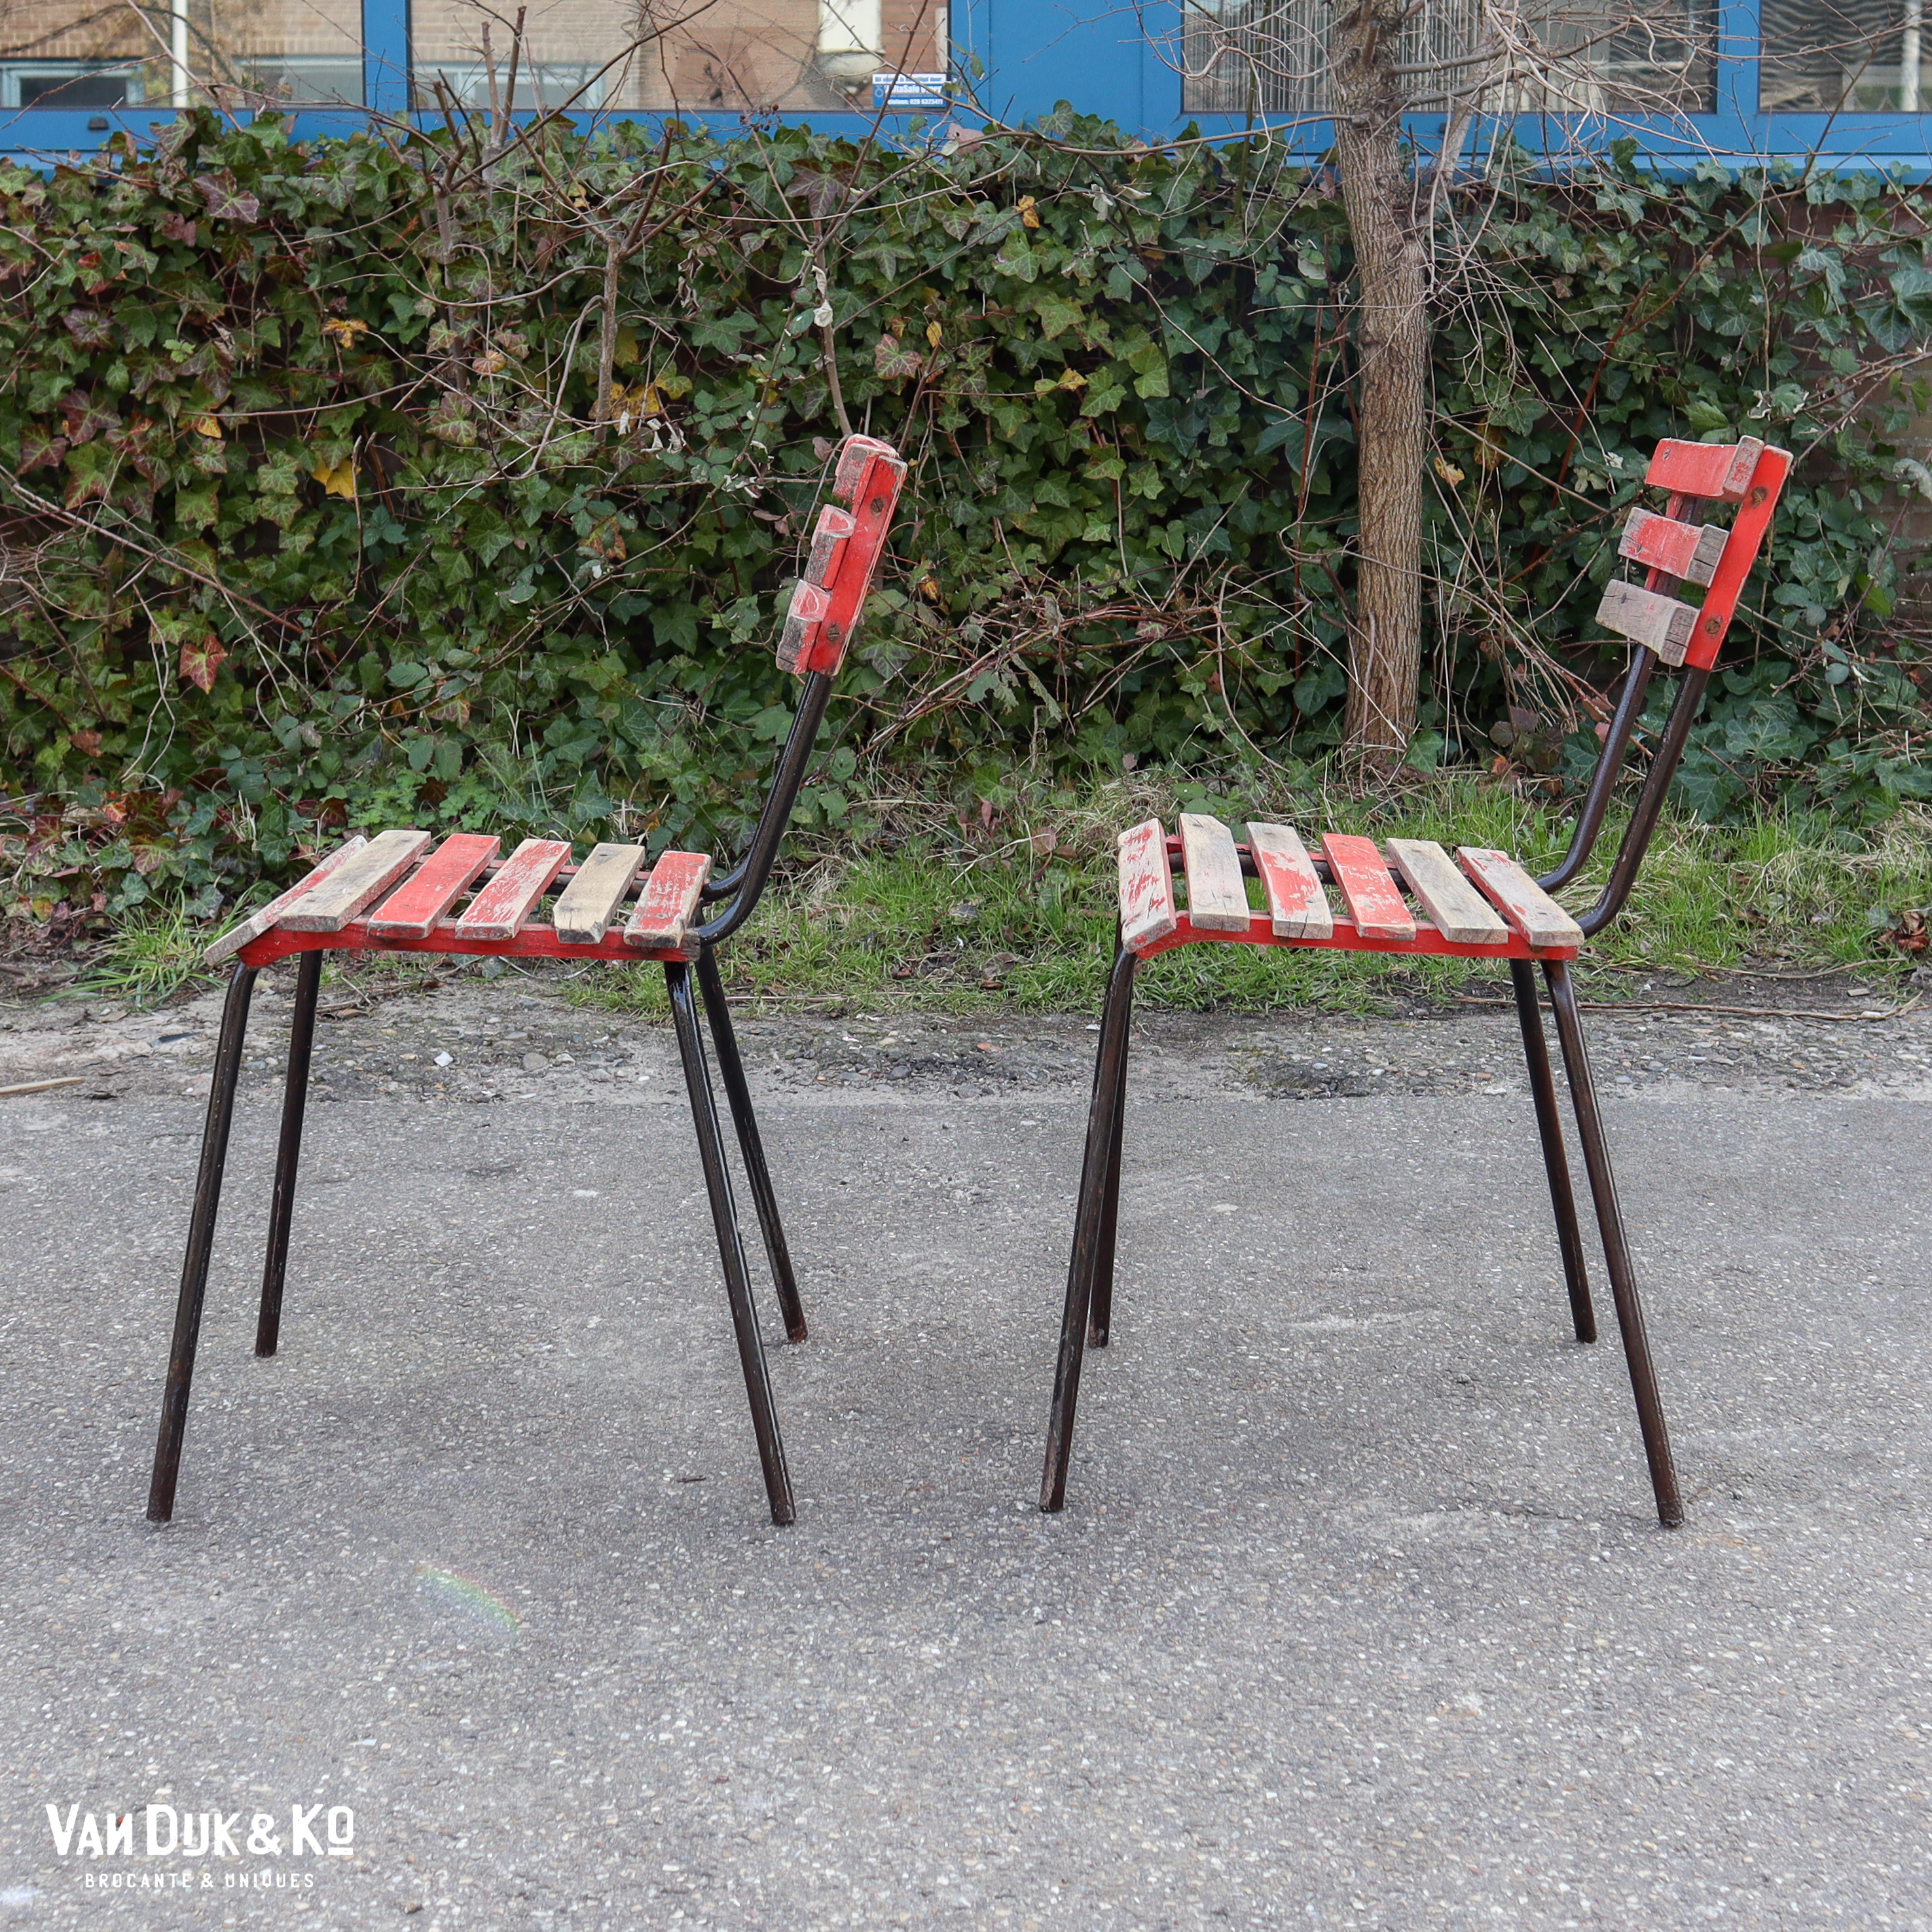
1032	54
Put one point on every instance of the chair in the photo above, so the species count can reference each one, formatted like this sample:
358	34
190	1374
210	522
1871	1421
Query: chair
402	892
1480	905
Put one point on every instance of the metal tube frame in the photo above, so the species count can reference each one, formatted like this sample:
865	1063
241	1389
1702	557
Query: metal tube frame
222	1084
288	1153
1555	1158
1087	1317
730	1243
1092	1261
731	1065
1616	1246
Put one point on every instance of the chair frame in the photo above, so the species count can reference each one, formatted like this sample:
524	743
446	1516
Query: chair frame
1755	479
822	617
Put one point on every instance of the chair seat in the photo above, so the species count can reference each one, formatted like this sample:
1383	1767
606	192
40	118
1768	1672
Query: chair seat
1479	904
402	891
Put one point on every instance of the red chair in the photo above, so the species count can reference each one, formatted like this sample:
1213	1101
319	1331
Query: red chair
402	892
1409	897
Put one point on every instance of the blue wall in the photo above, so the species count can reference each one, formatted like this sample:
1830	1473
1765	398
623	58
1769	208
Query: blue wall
1021	58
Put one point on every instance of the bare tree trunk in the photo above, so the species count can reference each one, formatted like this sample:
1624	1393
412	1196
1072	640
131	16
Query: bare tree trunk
1392	378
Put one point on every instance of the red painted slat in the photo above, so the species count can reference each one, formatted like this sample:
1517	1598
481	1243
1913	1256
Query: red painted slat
822	616
1374	899
501	909
1747	532
1687	550
1147	886
259	921
1722	469
412	910
668	900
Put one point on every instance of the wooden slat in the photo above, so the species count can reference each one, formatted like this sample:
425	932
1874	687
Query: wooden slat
1520	900
669	899
414	908
500	910
1298	907
1721	470
1747	534
1373	898
1460	912
258	922
1217	900
585	907
330	906
1147	886
1688	550
1649	617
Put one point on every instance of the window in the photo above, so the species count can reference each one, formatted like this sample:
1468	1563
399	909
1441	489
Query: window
1843	56
1576	57
730	56
237	54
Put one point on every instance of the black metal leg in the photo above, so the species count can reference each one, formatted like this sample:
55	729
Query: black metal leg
1616	1248
1103	1150
288	1153
200	1244
1555	1161
1100	1304
731	1242
732	1066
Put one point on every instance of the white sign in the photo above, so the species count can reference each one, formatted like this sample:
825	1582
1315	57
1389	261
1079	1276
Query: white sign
904	92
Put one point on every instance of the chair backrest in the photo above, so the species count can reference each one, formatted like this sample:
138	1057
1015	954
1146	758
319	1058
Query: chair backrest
819	628
1749	475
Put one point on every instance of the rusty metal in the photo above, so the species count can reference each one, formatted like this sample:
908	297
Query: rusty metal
730	1243
288	1153
1649	804
1103	1138
746	881
1616	1247
1609	769
222	1084
1555	1159
724	1040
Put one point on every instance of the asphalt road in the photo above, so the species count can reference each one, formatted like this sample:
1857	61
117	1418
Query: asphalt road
1358	1616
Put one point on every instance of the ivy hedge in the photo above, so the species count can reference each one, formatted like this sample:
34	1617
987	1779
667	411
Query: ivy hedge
459	483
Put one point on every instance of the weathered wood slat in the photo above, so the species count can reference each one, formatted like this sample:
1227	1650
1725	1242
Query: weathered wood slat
1721	470
1460	911
434	887
1147	886
1217	899
1648	617
1298	907
1374	900
1520	900
585	907
259	922
347	892
502	908
1688	550
669	899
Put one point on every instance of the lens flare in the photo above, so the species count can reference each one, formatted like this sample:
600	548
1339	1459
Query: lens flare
464	1593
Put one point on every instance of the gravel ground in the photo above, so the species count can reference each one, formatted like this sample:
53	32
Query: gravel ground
518	1039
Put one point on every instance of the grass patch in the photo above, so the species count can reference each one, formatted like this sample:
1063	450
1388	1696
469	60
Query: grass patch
1027	921
154	955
